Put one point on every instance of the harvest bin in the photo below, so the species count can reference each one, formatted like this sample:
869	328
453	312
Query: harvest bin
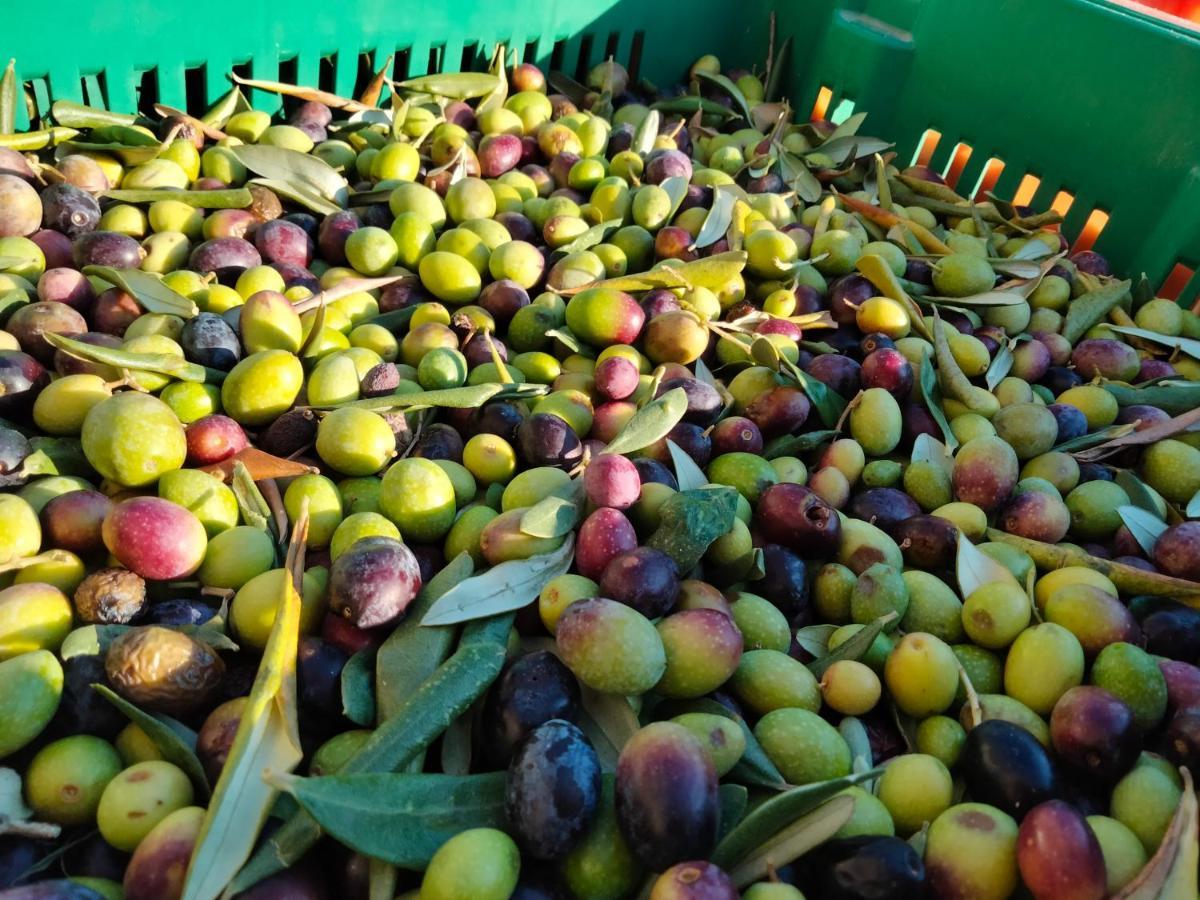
1083	104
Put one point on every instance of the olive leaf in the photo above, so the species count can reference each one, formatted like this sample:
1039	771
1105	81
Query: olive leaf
733	800
664	277
37	140
76	115
151	293
755	767
1140	494
731	89
233	198
1184	345
456	744
1092	308
796	174
930	393
1174	397
854	648
267	737
174	740
927	448
651	423
90	640
687	105
1193	507
503	588
358	692
814	639
333	101
293	167
8	98
974	568
1171	872
987	298
217	115
1001	365
590	238
299	193
647	132
422	716
850	148
401	818
1096	438
254	509
613	715
687	473
450	398
795	841
855	735
129	155
712	272
676	187
774	815
162	363
689	521
1145	527
718	220
795	444
557	514
412	653
829	403
455	85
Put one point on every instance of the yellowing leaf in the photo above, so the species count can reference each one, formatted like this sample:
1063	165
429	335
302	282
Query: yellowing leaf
268	739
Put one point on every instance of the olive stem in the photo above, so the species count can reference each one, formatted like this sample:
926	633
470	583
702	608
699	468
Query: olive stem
270	492
972	697
42	831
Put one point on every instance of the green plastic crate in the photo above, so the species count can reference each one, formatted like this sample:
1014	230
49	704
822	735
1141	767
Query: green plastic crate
1097	101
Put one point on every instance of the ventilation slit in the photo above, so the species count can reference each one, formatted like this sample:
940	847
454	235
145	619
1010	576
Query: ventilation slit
635	54
926	147
1095	224
958	162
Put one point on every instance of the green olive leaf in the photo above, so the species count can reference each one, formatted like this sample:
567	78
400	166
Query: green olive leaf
687	473
217	115
1096	438
688	105
651	423
412	653
455	85
449	398
676	187
595	235
8	98
613	716
829	403
712	272
149	290
1000	366
299	192
267	737
1149	435
647	131
691	520
76	115
777	813
733	800
795	444
38	140
501	589
796	174
162	363
987	298
731	89
854	648
931	394
128	154
815	639
456	744
174	740
325	98
1141	495
358	692
1174	397
252	505
855	734
400	818
1145	527
718	220
422	716
974	568
1193	507
755	767
294	167
1184	345
233	198
557	514
1092	308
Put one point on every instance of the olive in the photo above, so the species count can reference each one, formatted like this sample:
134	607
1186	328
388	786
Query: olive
1005	766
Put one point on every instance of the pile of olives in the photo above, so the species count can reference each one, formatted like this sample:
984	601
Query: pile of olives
899	385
